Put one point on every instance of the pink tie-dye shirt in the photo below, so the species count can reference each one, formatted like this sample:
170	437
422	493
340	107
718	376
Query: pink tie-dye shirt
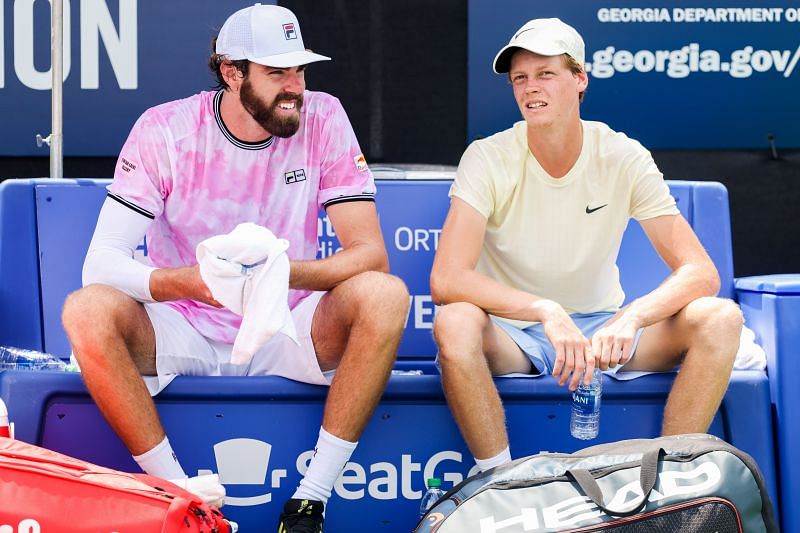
182	167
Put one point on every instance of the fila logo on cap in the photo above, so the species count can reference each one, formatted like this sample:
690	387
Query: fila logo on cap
289	31
265	34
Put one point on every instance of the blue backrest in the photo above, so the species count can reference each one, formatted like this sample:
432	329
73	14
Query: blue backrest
20	310
46	226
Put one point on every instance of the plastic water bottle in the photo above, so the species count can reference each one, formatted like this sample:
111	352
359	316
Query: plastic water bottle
585	420
407	372
431	496
20	359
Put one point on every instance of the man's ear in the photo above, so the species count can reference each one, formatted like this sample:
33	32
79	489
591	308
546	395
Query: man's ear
232	75
583	80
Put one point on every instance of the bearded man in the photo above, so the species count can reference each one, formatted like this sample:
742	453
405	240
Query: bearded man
260	149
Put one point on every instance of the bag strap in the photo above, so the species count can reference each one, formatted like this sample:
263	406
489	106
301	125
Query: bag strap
647	480
173	519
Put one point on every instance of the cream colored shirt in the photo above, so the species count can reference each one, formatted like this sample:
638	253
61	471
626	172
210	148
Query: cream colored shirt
559	238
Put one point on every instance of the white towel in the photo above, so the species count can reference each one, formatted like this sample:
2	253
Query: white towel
247	271
750	356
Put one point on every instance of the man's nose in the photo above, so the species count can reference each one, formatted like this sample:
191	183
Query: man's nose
294	83
532	87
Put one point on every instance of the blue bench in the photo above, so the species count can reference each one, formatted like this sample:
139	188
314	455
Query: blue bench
258	432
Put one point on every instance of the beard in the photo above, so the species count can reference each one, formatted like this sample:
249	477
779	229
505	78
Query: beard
267	114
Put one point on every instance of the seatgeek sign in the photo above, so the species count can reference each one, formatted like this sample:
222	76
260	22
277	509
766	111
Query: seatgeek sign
246	461
120	57
673	75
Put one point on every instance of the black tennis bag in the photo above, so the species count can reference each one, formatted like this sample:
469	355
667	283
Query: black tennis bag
686	483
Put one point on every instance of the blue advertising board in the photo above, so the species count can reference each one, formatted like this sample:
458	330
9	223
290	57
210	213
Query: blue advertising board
258	434
673	75
120	57
685	75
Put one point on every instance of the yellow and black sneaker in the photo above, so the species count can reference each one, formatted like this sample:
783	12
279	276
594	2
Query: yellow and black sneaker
301	516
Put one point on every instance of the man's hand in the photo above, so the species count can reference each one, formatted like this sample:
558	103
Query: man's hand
613	343
181	283
199	289
573	350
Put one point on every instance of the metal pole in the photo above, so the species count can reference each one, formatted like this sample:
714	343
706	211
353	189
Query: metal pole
57	100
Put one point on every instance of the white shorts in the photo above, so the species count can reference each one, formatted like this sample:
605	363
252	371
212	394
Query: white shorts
182	351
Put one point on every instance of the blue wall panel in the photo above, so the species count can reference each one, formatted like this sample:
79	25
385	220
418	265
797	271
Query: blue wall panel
729	88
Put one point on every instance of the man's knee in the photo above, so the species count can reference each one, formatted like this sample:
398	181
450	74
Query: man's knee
714	316
94	311
379	298
458	329
717	321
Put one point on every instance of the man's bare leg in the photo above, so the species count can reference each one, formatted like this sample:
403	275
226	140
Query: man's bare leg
114	343
472	349
703	338
356	329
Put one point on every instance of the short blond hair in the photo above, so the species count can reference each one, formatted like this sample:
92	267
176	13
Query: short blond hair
575	68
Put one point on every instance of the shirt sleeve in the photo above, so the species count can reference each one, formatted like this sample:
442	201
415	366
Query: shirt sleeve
344	174
650	197
110	259
472	183
143	167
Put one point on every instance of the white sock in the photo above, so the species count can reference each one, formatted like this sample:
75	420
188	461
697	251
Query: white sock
499	459
161	461
330	455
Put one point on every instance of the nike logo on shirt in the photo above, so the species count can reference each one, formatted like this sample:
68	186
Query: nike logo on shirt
592	210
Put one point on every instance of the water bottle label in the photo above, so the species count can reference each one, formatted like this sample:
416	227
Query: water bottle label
585	404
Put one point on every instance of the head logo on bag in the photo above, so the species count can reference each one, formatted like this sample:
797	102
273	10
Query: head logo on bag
572	511
649	484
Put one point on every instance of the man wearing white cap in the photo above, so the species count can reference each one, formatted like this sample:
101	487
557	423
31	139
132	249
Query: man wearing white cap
260	149
526	265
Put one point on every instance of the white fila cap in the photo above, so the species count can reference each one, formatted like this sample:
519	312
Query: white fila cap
265	34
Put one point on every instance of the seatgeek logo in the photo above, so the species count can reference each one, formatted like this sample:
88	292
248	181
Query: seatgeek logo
247	462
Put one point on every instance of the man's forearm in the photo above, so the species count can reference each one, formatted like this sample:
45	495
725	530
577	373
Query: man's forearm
167	284
325	274
491	296
685	284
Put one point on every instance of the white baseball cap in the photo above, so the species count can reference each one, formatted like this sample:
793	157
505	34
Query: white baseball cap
547	37
265	34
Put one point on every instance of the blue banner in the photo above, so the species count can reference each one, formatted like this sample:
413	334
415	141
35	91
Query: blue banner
673	75
687	75
120	57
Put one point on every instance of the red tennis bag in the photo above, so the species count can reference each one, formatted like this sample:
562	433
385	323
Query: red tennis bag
42	491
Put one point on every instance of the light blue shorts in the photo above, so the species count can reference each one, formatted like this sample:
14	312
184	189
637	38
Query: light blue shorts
533	341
